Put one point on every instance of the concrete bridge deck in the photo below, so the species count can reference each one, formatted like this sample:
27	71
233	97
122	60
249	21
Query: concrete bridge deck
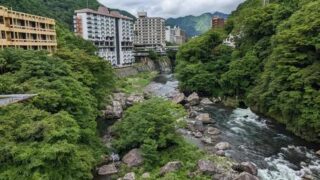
14	98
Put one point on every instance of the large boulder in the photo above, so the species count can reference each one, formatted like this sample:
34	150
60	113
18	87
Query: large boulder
114	111
213	131
145	175
107	170
246	176
179	98
207	140
133	158
318	153
170	167
222	146
133	99
120	97
194	99
197	134
248	167
204	118
198	125
206	101
130	176
207	167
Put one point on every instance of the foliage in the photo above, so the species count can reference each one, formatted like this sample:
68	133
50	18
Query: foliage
274	66
53	136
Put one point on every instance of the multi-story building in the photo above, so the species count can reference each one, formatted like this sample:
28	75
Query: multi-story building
27	31
150	32
175	35
217	22
110	31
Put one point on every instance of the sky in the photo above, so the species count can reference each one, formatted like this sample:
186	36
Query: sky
173	8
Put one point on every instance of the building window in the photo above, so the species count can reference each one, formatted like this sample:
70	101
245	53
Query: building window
1	20
3	35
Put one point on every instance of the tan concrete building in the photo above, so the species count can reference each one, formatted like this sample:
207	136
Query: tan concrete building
26	31
150	32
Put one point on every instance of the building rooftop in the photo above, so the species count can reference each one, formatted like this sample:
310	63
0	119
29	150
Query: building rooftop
21	14
105	12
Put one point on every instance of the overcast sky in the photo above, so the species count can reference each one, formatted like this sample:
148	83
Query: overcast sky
173	8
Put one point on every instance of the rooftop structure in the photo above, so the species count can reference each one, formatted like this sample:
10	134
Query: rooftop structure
217	22
27	31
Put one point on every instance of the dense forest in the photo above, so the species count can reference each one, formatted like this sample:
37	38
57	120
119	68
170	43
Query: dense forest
274	68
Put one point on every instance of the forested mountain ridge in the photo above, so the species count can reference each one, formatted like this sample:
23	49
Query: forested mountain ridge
274	67
195	25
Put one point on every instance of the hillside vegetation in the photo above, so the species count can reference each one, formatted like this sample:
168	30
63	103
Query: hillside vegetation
274	68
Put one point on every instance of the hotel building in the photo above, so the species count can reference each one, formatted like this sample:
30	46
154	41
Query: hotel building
150	32
21	30
175	35
111	32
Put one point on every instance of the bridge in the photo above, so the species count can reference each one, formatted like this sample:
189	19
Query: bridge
14	98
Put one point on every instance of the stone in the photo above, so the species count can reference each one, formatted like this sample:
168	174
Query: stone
193	114
120	97
318	153
204	118
307	177
198	125
216	100
248	167
220	153
213	131
207	167
197	134
222	146
224	176
133	158
246	176
194	99
206	101
145	175
130	176
207	140
114	111
170	167
107	170
179	98
134	98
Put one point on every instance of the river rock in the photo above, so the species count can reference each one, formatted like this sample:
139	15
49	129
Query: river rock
198	134
193	99
179	98
107	170
248	167
198	125
206	101
120	97
204	118
133	158
220	153
170	167
133	99
222	146
207	167
207	140
193	114
130	176
213	131
318	153
145	175
216	100
114	111
246	176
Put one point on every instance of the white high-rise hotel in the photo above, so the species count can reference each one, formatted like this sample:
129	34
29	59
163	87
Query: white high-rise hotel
110	31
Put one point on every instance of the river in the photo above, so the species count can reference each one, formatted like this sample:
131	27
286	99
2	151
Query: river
278	154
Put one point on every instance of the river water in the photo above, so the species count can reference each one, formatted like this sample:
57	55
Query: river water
278	154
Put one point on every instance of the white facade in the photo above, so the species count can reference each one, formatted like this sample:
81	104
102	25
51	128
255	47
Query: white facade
111	32
175	35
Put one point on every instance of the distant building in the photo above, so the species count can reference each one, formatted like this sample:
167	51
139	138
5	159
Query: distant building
175	35
217	22
26	31
150	32
110	31
230	41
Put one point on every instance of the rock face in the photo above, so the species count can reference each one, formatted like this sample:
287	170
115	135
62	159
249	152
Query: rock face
204	118
134	98
207	167
206	101
246	167
222	146
133	158
213	131
193	99
179	98
130	176
170	167
120	97
246	176
114	111
107	170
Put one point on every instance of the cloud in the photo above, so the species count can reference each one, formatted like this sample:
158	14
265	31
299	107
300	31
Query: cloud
173	8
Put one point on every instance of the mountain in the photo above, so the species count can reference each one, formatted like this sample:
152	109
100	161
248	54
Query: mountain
61	10
195	25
